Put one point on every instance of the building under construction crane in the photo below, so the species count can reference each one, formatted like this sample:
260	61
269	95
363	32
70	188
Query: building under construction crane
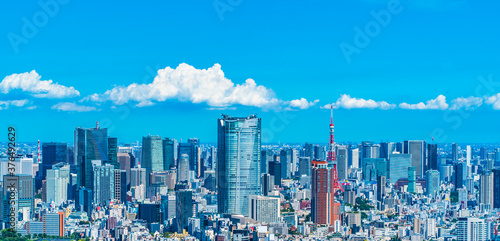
326	187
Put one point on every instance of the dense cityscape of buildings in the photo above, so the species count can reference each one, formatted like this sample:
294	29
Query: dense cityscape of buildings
241	189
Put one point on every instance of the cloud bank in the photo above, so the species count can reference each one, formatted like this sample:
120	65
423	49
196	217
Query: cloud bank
31	82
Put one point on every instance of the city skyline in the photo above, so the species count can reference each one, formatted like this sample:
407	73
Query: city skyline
271	65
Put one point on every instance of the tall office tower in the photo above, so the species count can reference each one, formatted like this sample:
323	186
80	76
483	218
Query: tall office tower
103	183
121	184
324	209
266	156
432	182
113	152
152	155
24	199
430	228
267	183
482	153
305	166
90	144
309	150
353	157
380	188
417	151
460	171
169	153
53	153
386	149
275	171
497	156
319	152
295	162
486	190
370	150
192	149
496	186
125	161
264	209
412	179
184	208
286	163
471	229
238	165
57	183
342	166
373	167
137	176
432	157
213	158
398	167
455	150
183	168
468	155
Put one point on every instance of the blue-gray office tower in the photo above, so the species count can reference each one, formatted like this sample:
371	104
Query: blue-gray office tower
53	153
238	164
432	157
417	151
169	153
90	144
152	155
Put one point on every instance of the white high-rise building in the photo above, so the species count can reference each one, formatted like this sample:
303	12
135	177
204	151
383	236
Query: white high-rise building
430	228
471	229
264	209
57	183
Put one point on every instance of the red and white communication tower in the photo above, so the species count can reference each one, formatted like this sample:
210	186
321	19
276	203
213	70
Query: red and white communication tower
331	155
38	151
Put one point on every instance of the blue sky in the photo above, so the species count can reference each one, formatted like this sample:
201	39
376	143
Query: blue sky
443	53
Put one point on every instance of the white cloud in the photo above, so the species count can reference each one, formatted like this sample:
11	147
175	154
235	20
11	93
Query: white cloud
347	102
302	103
435	104
18	103
68	106
468	103
31	82
494	100
186	83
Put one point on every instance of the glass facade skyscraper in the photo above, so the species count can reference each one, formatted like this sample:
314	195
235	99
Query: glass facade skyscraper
90	144
53	153
398	167
152	155
238	165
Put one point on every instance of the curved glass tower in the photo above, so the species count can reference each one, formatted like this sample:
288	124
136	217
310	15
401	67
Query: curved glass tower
238	162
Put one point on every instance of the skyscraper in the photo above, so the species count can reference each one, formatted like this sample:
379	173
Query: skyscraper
184	208
90	144
192	149
53	153
238	165
386	149
169	153
183	168
113	152
286	163
432	158
454	151
152	155
24	189
324	209
380	188
57	183
469	155
460	172
432	182
305	166
126	163
486	191
496	186
342	166
370	150
353	157
265	157
103	183
309	150
412	179
417	151
398	167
